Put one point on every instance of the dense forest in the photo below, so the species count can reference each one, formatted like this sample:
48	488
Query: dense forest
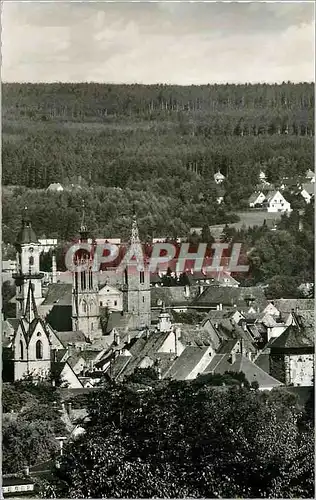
165	140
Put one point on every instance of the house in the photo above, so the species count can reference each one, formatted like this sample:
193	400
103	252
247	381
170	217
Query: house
14	485
237	363
47	244
9	266
291	355
191	362
310	175
248	299
275	202
256	199
262	176
55	187
308	191
111	297
219	177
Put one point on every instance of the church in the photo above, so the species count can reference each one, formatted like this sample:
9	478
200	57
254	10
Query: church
51	326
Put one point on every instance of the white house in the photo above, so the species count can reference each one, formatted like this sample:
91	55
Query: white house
262	176
47	244
256	199
276	202
308	191
111	297
219	177
55	186
310	175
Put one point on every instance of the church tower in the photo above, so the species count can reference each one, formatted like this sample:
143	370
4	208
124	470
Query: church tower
28	266
85	300
31	342
136	288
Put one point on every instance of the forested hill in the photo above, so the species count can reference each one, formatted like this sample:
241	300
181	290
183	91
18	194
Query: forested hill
159	144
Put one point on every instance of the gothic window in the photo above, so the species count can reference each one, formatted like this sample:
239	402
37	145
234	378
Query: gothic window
39	334
143	299
101	304
83	280
76	281
39	350
115	302
126	277
21	350
142	277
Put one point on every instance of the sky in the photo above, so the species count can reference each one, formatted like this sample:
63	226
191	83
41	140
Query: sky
163	42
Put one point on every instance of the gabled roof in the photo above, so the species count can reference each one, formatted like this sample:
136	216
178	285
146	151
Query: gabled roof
169	295
309	174
231	296
59	294
254	197
287	305
297	335
186	362
71	337
243	364
309	187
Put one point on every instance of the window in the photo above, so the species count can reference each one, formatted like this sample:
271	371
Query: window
101	303
39	334
21	350
142	277
143	299
31	261
91	326
39	350
84	306
115	302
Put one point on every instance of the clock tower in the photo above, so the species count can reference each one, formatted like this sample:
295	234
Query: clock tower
28	266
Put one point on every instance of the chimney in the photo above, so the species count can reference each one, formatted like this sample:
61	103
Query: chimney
54	268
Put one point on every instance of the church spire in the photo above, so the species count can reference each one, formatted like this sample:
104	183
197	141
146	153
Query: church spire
30	307
83	227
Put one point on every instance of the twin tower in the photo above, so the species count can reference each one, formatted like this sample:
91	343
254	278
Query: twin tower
85	288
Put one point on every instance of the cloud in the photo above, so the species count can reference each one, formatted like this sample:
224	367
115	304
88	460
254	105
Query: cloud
167	42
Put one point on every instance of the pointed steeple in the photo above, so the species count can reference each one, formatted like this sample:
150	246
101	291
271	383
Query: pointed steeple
135	243
30	307
83	227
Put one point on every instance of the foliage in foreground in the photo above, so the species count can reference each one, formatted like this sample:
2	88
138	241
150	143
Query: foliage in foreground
186	440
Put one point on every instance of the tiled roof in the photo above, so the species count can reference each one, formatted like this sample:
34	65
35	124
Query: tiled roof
71	337
58	293
186	362
74	359
287	305
309	187
250	369
118	320
295	337
195	335
170	296
230	296
253	197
